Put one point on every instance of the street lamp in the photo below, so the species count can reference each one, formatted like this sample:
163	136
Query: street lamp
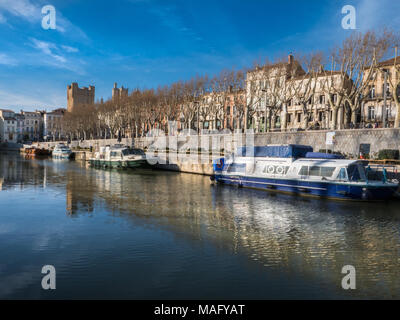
198	119
384	113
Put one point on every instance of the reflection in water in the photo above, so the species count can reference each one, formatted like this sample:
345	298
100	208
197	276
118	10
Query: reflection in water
285	246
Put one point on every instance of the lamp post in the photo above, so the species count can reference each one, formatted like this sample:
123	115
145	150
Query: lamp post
266	110
384	113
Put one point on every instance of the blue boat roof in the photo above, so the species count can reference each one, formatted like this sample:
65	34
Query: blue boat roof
275	151
319	155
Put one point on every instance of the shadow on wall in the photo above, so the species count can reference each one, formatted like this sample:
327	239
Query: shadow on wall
10	146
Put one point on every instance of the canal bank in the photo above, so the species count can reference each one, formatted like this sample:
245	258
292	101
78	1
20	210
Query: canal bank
350	143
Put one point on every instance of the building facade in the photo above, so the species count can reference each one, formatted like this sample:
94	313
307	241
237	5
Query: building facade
79	96
32	129
284	97
52	125
379	107
8	126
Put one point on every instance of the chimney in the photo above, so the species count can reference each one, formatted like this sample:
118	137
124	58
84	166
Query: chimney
290	59
115	85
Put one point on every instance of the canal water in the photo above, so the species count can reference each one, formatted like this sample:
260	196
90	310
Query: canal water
148	234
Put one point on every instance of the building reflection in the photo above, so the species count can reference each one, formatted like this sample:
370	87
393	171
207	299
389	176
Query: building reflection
17	173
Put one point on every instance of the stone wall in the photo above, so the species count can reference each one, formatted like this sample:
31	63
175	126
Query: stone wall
86	144
346	141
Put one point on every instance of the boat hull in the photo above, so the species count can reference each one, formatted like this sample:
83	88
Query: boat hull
62	156
321	189
118	164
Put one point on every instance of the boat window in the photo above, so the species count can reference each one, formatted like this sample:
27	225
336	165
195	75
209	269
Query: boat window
363	175
138	152
356	173
303	171
342	174
115	154
317	171
327	171
237	167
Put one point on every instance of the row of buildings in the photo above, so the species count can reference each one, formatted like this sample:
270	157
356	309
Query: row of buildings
306	101
284	97
276	97
27	126
281	97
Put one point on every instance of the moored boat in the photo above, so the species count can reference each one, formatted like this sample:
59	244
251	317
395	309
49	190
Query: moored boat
33	151
296	169
61	151
119	156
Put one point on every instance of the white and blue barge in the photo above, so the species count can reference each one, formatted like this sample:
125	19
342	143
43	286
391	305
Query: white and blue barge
295	169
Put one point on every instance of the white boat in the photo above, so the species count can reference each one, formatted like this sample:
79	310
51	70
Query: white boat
61	151
297	170
119	156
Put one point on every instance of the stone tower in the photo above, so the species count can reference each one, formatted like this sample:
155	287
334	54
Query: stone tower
119	92
77	96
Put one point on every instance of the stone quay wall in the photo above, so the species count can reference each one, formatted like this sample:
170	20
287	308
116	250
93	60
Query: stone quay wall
348	142
86	144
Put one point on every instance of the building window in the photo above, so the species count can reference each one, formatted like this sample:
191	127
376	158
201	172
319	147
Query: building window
289	118
387	90
322	99
372	92
320	116
299	117
371	113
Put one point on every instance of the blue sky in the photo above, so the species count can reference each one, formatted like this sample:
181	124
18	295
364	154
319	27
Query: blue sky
146	43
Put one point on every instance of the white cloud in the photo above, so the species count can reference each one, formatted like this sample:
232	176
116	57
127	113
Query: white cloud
70	49
21	8
7	60
48	48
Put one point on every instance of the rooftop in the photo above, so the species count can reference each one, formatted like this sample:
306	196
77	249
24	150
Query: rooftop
389	62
